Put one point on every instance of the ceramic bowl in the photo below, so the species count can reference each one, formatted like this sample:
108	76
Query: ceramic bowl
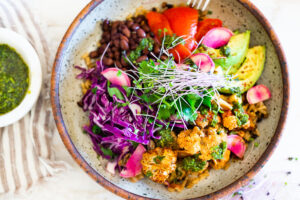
83	36
28	53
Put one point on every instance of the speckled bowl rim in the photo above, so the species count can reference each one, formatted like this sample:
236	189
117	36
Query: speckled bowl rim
128	195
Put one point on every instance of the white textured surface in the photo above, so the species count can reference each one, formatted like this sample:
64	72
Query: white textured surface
75	184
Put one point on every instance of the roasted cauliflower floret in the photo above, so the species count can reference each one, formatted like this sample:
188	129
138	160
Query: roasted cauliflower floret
231	121
158	164
189	140
209	142
221	163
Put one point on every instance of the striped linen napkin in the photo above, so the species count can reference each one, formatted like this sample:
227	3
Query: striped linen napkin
25	147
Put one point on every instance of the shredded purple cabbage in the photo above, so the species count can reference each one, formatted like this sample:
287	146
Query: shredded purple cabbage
120	126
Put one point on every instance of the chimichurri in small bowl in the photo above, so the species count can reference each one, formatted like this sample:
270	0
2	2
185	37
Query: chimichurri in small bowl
20	77
14	78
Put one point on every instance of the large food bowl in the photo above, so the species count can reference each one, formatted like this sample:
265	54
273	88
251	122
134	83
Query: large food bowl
82	37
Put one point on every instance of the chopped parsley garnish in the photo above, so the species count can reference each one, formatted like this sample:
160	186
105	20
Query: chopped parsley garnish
148	174
218	151
96	129
242	117
172	41
158	159
119	73
256	144
94	90
193	163
167	140
145	43
107	152
225	50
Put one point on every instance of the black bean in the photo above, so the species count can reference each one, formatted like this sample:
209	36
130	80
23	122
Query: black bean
135	27
154	9
110	55
123	37
142	58
116	43
146	51
102	41
146	28
114	49
139	19
156	49
115	36
114	31
129	23
141	33
102	48
124	45
94	54
117	55
167	5
106	36
164	57
108	61
115	24
123	62
118	64
105	25
134	46
152	34
134	35
126	31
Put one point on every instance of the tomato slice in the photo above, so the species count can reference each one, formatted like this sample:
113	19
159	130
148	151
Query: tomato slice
206	25
158	24
184	21
180	52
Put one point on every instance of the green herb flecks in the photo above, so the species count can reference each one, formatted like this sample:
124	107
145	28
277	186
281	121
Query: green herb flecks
241	115
158	159
148	174
193	163
218	151
146	43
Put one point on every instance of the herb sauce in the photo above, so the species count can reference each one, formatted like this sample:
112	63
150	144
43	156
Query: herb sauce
14	79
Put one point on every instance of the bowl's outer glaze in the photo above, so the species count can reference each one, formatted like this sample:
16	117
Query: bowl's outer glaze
66	91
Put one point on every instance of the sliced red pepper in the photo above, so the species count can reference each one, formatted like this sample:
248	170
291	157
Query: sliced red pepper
184	21
206	25
180	52
159	24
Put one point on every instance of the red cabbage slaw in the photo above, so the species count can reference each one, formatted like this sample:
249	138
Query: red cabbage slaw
120	127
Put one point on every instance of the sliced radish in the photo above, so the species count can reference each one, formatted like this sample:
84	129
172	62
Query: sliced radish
135	108
236	145
111	166
217	37
133	165
204	62
182	66
258	94
116	76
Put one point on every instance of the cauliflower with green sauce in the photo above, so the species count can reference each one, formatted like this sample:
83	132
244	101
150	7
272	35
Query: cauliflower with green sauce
168	139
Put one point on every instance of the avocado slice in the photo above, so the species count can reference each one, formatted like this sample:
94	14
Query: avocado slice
238	45
249	72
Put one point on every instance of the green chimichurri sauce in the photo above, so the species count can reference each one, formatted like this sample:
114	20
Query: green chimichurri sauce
14	79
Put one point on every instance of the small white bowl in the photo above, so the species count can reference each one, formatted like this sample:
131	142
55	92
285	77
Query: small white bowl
28	53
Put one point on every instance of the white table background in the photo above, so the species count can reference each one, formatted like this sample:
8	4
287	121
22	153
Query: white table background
75	184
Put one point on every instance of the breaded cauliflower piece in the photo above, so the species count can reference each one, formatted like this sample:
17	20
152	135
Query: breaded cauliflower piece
221	164
159	163
211	140
230	121
189	140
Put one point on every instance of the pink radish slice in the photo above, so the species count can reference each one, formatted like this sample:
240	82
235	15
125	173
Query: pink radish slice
236	145
203	61
116	76
111	166
135	108
182	66
217	37
258	94
133	165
